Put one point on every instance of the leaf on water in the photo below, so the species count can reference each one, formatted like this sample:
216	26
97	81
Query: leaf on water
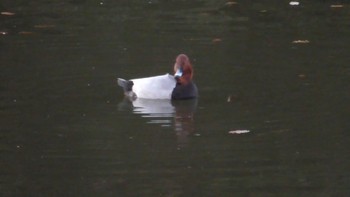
231	3
294	3
229	99
217	40
25	33
238	131
301	42
7	13
44	26
302	76
337	6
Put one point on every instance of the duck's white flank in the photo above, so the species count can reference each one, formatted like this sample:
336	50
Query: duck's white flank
156	87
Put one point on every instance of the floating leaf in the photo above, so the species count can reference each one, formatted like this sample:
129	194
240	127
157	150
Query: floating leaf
301	42
238	131
231	3
302	76
7	13
294	3
25	33
216	40
43	26
337	6
229	99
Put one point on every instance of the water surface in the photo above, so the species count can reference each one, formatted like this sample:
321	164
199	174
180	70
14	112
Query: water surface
279	71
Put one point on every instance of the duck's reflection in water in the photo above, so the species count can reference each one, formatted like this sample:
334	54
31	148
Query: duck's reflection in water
178	114
184	119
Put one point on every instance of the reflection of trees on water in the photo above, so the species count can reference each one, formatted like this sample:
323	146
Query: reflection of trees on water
176	114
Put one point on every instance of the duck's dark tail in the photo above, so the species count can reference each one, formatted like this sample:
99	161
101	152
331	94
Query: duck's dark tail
125	84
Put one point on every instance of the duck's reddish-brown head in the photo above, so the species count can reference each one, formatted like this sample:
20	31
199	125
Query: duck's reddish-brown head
181	61
183	69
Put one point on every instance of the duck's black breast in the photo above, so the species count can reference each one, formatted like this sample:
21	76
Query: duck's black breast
181	91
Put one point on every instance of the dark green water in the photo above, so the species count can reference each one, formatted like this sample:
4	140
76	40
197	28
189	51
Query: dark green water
279	71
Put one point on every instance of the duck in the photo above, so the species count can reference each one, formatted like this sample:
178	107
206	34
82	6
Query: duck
179	86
